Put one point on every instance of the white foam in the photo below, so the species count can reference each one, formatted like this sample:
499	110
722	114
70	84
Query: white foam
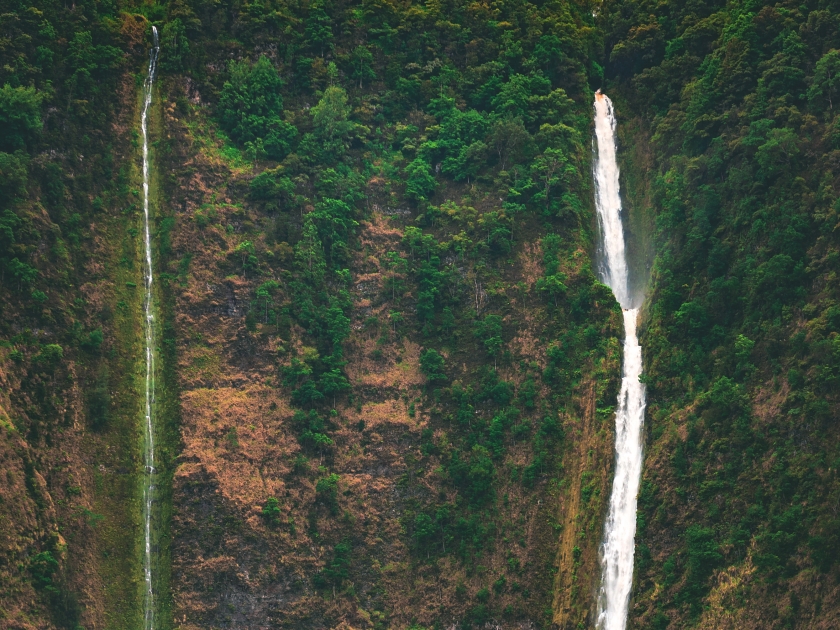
618	545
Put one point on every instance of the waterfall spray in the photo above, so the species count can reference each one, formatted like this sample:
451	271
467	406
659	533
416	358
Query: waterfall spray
148	311
620	527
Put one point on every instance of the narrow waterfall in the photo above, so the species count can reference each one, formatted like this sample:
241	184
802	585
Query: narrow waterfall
148	309
620	527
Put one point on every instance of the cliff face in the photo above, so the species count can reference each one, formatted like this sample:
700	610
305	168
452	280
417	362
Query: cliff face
388	371
461	492
387	367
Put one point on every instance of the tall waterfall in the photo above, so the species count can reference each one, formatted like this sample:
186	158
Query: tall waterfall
620	528
148	308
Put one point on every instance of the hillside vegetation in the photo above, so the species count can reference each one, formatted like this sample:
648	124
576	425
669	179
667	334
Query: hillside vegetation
738	151
387	320
389	373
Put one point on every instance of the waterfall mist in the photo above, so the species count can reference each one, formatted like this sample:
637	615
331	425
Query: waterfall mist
620	528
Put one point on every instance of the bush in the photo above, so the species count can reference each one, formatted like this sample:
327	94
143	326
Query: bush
326	491
271	511
93	342
250	107
432	364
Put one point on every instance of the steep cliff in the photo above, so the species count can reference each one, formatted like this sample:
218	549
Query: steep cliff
735	155
387	373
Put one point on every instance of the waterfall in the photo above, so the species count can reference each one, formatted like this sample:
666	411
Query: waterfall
620	527
148	311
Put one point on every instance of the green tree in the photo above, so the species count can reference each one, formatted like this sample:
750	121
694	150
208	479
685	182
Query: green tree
825	86
265	292
271	511
20	116
489	331
509	140
250	107
318	33
419	181
43	566
13	176
332	124
337	569
22	272
362	62
175	47
432	364
326	491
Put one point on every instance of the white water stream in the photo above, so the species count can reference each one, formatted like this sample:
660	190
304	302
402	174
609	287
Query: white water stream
148	308
620	527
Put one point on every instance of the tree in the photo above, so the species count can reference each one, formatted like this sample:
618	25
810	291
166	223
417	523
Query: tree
489	331
318	30
50	356
432	364
337	570
331	122
509	139
334	219
424	531
548	168
90	64
20	116
23	273
419	181
398	265
43	566
326	491
362	62
175	47
825	87
13	175
332	382
271	511
552	286
265	292
250	107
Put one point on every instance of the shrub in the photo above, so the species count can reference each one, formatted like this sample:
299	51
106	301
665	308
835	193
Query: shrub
431	364
326	491
93	342
250	107
271	511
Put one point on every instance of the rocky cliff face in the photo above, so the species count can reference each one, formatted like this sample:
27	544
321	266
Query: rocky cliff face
373	525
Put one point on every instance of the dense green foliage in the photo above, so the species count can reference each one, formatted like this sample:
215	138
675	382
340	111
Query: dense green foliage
250	108
465	128
742	338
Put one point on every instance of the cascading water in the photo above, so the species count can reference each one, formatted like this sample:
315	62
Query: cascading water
148	308
620	528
